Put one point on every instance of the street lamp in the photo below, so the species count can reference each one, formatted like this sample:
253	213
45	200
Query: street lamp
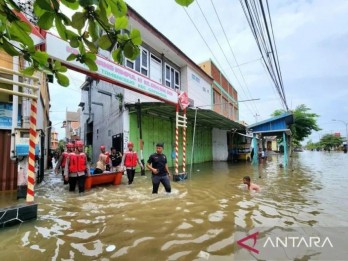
345	123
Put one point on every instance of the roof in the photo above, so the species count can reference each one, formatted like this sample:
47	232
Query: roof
135	15
207	118
274	125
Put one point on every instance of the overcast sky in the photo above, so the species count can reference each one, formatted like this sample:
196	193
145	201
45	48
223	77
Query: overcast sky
312	43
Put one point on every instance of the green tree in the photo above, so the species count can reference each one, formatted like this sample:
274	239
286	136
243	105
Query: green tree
329	141
61	145
304	123
95	24
312	145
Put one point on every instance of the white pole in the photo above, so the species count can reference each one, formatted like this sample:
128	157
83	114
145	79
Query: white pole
15	66
193	141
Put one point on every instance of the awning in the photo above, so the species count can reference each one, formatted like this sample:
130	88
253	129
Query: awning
273	132
207	118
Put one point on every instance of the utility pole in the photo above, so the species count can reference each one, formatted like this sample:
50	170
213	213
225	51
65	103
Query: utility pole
138	105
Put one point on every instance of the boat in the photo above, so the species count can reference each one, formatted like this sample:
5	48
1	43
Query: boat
104	178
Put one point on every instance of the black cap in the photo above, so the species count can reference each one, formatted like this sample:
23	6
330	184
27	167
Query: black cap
159	145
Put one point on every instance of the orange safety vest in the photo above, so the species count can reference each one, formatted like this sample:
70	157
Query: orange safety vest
77	162
65	156
131	159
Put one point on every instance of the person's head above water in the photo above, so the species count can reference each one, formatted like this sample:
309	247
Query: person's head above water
246	180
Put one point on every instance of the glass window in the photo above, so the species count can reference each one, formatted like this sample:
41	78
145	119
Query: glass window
144	58
137	64
130	64
141	62
167	72
172	77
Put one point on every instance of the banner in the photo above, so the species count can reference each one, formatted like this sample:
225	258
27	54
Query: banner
6	115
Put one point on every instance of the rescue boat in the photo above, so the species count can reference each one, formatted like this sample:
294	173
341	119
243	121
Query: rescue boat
104	178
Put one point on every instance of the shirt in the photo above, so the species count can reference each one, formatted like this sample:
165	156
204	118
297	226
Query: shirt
116	159
158	161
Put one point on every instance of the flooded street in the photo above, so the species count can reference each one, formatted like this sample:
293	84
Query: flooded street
197	221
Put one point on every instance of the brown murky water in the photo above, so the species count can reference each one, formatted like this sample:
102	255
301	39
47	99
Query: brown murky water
195	222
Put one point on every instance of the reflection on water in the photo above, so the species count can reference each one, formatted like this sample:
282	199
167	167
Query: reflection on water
196	221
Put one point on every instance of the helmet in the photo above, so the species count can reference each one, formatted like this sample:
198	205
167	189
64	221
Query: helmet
69	145
102	147
79	143
130	144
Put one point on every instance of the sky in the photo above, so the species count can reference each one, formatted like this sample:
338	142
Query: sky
312	44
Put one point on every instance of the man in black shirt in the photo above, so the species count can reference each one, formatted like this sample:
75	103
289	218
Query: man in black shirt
157	163
116	158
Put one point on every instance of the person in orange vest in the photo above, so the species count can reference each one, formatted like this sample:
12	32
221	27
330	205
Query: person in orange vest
62	160
129	161
76	168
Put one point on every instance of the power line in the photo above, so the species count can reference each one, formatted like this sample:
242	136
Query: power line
263	33
209	47
235	59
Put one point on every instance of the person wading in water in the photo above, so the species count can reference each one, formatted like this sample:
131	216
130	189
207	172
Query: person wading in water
129	161
157	163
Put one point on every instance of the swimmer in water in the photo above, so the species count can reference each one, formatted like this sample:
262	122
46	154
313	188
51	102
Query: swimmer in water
251	186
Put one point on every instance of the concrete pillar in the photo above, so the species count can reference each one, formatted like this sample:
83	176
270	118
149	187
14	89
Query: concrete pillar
255	159
285	150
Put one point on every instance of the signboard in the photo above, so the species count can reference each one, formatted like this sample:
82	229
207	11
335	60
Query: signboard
6	116
59	49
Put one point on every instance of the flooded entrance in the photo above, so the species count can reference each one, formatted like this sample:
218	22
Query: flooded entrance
196	221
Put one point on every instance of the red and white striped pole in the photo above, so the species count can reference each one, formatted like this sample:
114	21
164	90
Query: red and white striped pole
32	143
184	145
177	141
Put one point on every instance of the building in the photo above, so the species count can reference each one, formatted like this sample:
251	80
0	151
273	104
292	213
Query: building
225	97
225	102
71	124
54	140
112	114
8	164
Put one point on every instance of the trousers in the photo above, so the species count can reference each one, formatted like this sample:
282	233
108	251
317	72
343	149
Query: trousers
156	180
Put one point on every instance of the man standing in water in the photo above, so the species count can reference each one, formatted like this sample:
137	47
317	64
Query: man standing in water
251	186
62	160
76	168
157	163
130	160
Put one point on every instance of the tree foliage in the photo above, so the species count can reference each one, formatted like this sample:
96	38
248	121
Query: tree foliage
61	145
329	141
95	24
304	123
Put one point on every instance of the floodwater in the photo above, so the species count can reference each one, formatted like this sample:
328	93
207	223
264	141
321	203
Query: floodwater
196	222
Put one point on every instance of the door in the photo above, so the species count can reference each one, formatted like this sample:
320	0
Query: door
117	142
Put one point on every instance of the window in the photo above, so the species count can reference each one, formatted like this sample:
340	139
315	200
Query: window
172	77
141	64
155	68
216	97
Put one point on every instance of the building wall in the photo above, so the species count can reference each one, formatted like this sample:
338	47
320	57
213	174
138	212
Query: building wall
220	148
106	115
225	90
11	174
157	129
198	88
54	140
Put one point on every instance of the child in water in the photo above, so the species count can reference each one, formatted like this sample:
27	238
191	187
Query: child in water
251	186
